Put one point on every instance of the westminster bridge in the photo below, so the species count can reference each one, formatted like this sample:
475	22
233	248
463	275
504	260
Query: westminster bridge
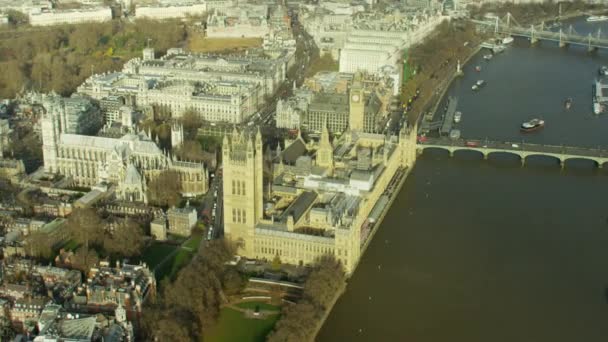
520	149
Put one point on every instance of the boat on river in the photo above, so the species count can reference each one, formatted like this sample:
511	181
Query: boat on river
508	40
457	117
478	85
478	68
597	108
532	125
596	18
488	57
603	71
499	48
568	103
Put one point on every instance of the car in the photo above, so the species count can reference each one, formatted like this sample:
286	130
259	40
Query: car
471	144
514	145
422	138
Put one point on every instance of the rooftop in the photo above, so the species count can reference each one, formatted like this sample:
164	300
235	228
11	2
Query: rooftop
299	206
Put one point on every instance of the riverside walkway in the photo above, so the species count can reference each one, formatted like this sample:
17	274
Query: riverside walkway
522	150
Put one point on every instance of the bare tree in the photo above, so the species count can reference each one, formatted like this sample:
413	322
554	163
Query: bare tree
164	189
126	239
86	228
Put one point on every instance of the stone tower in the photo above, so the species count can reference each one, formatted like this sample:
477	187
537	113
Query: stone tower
325	153
148	54
407	145
177	134
242	188
50	127
356	117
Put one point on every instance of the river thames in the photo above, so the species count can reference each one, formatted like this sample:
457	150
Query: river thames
477	250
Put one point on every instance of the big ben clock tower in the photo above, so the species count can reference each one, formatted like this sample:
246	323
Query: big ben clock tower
357	109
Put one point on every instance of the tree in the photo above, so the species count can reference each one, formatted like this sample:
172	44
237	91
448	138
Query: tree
164	189
126	239
322	63
6	331
190	150
84	260
194	298
14	79
86	228
324	281
165	325
191	122
276	263
39	246
296	324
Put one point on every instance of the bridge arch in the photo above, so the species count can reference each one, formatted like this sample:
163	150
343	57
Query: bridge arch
540	156
590	160
468	150
492	153
445	149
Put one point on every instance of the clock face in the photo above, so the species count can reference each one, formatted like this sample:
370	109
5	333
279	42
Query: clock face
355	98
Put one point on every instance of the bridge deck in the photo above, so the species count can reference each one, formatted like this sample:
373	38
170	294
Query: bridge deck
516	148
540	33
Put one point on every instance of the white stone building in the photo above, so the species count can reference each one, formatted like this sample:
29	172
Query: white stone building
25	6
228	89
171	9
244	24
70	16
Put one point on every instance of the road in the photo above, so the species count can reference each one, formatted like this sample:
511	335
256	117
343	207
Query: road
265	121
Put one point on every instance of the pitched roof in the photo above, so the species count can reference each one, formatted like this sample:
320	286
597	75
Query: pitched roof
293	151
77	328
132	177
299	206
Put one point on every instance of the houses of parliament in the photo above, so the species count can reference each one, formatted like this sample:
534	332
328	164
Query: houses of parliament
309	199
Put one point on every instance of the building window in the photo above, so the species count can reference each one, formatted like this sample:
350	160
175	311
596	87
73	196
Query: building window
244	216
233	215
233	187
238	215
243	187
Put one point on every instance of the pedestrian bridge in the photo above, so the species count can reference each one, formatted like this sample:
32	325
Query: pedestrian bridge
522	150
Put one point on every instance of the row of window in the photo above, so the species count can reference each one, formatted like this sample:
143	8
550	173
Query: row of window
271	252
293	245
239	216
238	188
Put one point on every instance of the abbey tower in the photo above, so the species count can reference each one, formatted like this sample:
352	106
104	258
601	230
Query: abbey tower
242	188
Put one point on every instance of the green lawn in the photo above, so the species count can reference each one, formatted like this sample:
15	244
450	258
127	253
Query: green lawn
180	259
234	327
71	245
262	306
194	242
155	253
